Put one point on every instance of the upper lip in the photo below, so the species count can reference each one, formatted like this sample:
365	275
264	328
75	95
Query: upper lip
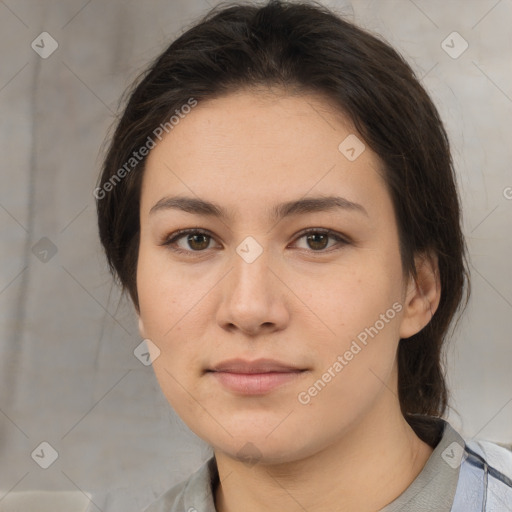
256	366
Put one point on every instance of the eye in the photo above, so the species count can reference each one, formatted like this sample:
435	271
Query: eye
196	241
317	239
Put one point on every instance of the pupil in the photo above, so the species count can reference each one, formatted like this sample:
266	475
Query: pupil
312	237
192	240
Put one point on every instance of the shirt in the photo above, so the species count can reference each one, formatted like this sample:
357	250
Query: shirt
459	476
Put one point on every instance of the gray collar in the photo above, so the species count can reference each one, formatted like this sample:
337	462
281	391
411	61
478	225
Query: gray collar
434	488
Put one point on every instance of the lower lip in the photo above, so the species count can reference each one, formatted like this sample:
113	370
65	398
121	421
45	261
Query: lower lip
254	383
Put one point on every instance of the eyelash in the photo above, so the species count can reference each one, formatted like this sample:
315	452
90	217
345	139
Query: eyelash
177	235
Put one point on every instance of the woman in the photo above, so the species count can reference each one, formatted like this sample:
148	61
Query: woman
279	201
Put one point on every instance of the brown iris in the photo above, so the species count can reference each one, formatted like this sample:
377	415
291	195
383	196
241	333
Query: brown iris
314	243
202	244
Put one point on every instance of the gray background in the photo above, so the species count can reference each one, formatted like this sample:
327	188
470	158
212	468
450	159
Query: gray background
68	375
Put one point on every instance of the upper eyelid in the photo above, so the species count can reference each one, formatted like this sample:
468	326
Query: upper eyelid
180	233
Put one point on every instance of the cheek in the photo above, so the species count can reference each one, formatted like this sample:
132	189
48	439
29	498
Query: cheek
362	308
166	293
170	301
335	402
353	297
354	367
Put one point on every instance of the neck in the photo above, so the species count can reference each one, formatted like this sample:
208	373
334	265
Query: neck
365	469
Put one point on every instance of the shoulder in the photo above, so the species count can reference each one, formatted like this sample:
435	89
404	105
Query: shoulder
486	475
191	494
494	458
170	500
497	458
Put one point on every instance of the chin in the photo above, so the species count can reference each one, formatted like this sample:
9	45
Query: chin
265	445
262	451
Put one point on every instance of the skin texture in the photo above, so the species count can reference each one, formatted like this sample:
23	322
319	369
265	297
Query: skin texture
349	448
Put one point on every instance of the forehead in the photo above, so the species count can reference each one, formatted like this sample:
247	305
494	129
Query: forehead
250	147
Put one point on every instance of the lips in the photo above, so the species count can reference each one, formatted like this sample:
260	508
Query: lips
257	366
257	377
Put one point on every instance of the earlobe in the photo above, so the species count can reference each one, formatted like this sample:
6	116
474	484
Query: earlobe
422	296
141	328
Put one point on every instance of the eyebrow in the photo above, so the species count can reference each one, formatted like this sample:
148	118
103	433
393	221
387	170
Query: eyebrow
301	206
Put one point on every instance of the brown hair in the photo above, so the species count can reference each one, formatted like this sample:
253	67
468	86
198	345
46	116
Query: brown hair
306	47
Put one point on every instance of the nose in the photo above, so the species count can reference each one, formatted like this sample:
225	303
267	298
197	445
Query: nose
253	297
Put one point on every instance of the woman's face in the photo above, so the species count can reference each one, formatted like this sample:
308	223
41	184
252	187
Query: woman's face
251	284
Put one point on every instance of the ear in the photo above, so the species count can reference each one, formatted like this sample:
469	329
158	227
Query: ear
422	295
141	327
